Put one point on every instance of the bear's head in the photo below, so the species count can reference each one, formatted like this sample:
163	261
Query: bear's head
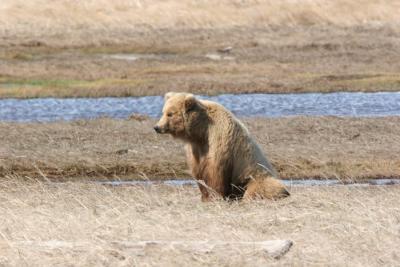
183	117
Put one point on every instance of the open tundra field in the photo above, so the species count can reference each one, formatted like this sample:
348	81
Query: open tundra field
55	211
124	47
299	147
87	224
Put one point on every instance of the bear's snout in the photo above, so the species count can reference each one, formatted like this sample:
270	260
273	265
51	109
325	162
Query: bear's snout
157	129
160	129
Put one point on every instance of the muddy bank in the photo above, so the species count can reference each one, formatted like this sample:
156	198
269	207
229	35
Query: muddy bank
300	148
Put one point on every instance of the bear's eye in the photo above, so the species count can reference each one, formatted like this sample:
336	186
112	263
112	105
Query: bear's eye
169	114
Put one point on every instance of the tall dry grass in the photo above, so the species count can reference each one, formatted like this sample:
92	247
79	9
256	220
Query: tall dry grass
77	224
44	16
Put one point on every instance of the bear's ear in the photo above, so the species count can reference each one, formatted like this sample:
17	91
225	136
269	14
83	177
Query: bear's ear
168	95
190	102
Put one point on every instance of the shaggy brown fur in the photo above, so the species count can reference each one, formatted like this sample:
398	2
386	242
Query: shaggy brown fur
220	151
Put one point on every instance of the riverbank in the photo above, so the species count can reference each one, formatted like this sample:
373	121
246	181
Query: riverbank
102	149
298	60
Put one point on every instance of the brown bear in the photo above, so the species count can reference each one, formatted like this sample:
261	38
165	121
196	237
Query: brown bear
221	153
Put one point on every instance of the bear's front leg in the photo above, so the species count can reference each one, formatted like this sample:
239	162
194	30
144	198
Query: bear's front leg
210	192
205	195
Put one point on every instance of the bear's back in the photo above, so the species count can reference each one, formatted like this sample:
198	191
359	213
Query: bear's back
230	137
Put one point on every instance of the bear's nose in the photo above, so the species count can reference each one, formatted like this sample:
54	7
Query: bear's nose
157	129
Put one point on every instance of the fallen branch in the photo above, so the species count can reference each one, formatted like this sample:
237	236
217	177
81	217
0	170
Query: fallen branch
273	248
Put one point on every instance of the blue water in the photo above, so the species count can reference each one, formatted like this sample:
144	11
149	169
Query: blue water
250	105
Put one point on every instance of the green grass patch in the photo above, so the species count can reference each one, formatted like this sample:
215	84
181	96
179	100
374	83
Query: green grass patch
15	83
33	88
65	83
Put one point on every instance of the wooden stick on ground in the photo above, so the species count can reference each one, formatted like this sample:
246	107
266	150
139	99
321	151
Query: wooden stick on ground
273	248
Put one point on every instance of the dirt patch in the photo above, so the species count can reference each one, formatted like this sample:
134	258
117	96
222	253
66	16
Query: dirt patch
328	225
299	147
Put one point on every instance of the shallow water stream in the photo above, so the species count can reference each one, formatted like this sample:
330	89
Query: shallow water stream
310	182
261	105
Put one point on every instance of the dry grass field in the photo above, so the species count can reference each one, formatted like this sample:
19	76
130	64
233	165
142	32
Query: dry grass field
299	147
49	18
45	224
65	48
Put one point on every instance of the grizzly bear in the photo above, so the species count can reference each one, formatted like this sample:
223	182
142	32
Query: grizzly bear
222	155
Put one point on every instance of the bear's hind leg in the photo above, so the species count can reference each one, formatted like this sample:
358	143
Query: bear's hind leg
265	188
